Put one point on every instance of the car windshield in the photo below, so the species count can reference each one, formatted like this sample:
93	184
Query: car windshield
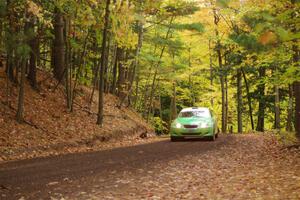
198	113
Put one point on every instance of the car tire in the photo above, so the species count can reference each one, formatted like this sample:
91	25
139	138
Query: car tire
174	139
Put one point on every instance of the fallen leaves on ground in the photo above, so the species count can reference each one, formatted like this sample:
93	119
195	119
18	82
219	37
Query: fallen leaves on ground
49	129
247	167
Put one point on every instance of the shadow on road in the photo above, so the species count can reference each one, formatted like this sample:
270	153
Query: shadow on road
40	171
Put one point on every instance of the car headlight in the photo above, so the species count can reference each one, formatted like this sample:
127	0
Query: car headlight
178	125
204	125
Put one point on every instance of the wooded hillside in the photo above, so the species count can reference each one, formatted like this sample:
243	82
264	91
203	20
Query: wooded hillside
239	57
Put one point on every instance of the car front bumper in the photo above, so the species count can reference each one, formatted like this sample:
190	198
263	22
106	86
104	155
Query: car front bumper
191	132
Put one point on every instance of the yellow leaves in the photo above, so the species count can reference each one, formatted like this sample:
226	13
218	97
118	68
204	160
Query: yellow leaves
93	2
122	19
86	17
34	9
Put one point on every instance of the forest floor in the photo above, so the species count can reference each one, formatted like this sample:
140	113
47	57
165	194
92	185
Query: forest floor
249	166
49	129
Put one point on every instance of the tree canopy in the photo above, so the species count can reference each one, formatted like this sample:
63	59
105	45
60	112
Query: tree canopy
238	57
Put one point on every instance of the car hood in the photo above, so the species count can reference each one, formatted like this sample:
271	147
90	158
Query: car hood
192	120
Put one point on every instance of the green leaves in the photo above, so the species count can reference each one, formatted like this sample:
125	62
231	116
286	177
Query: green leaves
222	3
2	8
181	8
248	41
191	27
23	51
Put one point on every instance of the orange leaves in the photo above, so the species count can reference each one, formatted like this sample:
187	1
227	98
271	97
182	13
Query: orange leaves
268	37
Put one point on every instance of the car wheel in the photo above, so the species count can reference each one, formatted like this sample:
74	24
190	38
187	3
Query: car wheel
174	139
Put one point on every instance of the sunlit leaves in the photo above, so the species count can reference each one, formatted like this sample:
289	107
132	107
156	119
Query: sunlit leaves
223	3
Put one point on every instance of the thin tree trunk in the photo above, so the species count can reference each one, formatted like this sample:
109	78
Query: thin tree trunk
296	84
226	101
10	51
249	99
173	108
1	37
68	75
222	80
136	61
59	46
239	101
20	111
79	66
95	72
289	120
156	67
160	106
33	43
192	103
115	71
121	73
106	81
151	94
277	108
103	54
137	79
261	99
211	74
145	97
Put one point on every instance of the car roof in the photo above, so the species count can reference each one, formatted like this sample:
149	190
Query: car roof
194	109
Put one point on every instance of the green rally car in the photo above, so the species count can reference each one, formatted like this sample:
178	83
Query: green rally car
196	122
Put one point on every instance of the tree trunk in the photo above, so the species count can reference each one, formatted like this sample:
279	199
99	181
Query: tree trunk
68	75
211	74
224	127
151	94
289	120
136	61
106	81
58	46
160	106
20	111
121	73
277	108
137	79
157	65
33	43
226	101
115	71
103	57
296	84
249	99
173	109
95	71
222	80
239	101
10	51
261	99
297	107
192	103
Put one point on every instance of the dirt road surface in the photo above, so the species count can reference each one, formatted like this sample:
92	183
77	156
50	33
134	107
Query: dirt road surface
232	167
